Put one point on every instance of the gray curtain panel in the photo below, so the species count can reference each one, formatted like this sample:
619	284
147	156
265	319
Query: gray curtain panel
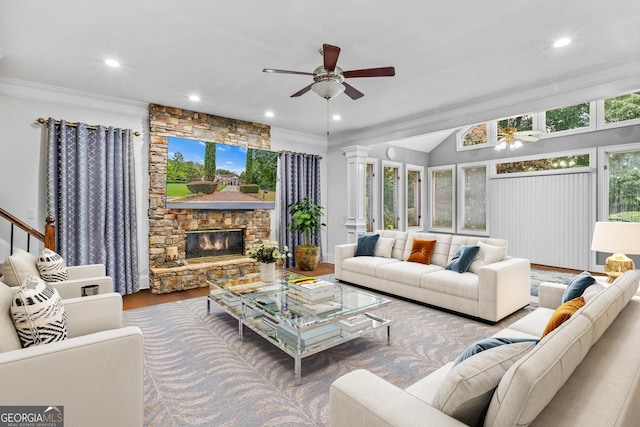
91	194
299	177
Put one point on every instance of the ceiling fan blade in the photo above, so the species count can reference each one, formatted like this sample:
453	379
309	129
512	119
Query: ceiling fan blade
272	70
371	72
302	91
330	54
530	132
352	92
527	138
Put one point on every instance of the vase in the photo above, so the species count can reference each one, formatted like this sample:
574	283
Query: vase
268	272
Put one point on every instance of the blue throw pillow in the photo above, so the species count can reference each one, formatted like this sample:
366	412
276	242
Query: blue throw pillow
463	258
367	245
486	344
577	285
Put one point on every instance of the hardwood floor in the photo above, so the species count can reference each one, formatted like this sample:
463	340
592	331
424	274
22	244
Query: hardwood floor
146	297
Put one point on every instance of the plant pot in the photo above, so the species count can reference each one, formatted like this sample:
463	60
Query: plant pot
268	272
307	257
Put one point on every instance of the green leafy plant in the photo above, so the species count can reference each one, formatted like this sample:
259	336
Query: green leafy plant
306	218
268	252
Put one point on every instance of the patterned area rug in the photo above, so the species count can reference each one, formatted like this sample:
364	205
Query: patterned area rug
199	373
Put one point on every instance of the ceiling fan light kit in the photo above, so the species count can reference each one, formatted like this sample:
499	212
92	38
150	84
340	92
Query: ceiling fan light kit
510	138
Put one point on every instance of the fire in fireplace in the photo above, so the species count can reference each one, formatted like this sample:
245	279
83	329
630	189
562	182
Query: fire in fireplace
212	243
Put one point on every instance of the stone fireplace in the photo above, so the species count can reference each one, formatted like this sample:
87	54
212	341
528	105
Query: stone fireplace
169	228
212	245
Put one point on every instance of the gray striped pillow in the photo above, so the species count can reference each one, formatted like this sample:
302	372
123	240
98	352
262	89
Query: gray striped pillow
38	313
51	266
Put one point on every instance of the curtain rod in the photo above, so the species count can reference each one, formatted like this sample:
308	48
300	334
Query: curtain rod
75	125
299	154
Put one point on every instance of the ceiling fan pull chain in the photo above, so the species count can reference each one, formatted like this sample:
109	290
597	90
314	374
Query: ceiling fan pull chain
328	116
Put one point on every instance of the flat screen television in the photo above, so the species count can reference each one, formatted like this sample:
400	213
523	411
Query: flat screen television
210	175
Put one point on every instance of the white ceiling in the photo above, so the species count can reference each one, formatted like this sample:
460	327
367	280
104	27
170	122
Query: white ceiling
456	62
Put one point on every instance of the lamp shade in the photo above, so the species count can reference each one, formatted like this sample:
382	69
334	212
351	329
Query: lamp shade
328	88
616	237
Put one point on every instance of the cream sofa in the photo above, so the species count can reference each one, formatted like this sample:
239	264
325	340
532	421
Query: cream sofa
584	373
499	288
96	374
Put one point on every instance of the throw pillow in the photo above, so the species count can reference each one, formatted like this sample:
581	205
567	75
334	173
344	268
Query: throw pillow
488	254
38	314
384	246
421	251
463	258
489	343
562	314
18	267
9	337
577	285
465	393
366	245
51	266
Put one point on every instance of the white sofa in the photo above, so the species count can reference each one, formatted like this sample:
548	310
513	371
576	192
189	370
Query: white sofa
498	289
96	374
584	373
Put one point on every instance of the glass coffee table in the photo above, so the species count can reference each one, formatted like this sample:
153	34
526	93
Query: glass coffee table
300	315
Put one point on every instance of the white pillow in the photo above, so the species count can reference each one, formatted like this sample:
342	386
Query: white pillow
38	314
488	254
384	246
18	267
9	337
51	266
466	391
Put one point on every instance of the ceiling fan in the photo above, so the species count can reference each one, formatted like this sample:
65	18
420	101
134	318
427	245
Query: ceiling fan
511	138
328	78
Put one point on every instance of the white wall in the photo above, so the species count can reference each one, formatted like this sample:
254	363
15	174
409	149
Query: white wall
23	148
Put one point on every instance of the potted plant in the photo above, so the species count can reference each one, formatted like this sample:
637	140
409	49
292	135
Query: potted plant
267	253
306	219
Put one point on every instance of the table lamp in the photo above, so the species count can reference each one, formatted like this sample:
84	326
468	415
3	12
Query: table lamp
619	238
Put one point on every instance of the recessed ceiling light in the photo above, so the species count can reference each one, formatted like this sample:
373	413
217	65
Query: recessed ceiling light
269	114
562	42
336	117
112	63
195	98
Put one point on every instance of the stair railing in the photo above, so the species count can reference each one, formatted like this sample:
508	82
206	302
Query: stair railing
48	238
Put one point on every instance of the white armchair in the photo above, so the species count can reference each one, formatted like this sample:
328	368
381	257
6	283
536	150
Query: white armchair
96	374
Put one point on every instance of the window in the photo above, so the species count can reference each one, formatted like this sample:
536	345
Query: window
370	190
391	196
414	196
548	164
623	108
473	137
472	198
442	206
519	122
568	118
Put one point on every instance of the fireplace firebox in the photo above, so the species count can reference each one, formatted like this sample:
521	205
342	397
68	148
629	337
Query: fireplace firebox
214	243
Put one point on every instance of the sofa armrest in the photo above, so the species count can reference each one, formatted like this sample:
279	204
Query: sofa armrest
98	378
92	314
362	399
343	252
73	288
86	271
550	294
504	287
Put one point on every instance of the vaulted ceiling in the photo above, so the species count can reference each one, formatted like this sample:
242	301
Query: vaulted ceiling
456	63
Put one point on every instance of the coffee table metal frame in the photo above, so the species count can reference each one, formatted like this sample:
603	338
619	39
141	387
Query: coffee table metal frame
245	308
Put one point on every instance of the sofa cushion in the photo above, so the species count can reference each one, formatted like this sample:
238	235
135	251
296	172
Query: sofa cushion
51	266
577	285
406	273
8	336
384	246
562	314
462	259
457	241
487	254
366	245
449	282
489	343
18	267
366	265
421	251
466	391
38	314
400	241
592	291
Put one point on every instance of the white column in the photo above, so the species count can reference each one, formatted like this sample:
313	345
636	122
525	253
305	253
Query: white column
356	179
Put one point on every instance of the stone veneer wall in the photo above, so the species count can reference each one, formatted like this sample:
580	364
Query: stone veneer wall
167	227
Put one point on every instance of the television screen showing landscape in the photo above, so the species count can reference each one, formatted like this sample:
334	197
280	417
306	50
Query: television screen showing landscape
209	175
